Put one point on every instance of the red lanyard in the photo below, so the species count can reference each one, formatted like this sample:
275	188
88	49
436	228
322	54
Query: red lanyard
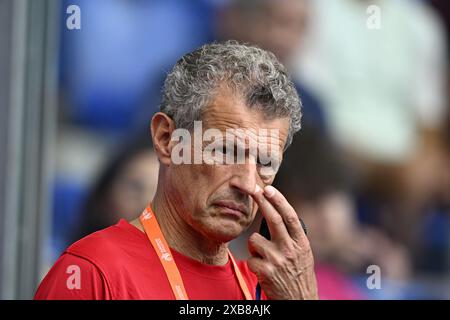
159	243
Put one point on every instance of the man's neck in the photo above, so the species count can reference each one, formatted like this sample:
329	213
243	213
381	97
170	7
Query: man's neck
182	237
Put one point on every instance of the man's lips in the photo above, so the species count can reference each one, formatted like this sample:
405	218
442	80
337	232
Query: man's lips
232	206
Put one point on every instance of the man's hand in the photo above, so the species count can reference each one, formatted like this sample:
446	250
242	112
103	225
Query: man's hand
285	264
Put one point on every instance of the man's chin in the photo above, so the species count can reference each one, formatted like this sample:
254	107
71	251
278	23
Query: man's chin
226	231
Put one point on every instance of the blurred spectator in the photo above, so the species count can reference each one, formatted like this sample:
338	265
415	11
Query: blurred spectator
277	26
319	186
385	101
384	87
123	190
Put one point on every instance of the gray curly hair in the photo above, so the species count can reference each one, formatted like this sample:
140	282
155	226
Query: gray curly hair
252	72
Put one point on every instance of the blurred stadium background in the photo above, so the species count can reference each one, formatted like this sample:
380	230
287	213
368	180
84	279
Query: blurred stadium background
369	173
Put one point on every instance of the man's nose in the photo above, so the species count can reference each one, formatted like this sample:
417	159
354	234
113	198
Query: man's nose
244	177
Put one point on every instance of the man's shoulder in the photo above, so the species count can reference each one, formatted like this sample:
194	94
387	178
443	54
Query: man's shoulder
87	266
103	246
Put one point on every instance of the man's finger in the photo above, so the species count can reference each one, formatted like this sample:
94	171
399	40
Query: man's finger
286	211
274	220
256	265
259	246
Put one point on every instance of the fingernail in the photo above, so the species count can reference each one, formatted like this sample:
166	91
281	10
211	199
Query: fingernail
257	188
269	191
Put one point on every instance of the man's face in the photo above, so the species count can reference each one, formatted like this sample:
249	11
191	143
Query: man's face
215	198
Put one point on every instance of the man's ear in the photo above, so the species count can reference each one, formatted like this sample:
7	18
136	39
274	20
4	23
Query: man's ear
162	127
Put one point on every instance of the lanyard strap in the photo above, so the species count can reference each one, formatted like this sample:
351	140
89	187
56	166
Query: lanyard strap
159	243
240	278
162	249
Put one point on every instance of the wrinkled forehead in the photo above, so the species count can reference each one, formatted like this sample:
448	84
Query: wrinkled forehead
254	139
229	114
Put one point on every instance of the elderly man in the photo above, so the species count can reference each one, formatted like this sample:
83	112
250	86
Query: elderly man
177	248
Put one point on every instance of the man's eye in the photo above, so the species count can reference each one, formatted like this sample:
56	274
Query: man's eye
261	163
268	165
223	153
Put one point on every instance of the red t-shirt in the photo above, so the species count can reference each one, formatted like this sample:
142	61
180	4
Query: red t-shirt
119	262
